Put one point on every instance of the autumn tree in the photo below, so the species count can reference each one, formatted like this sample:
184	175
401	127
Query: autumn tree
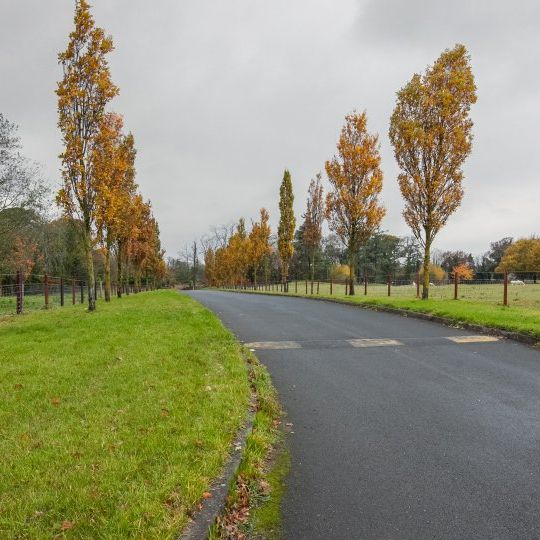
435	273
83	93
431	132
287	225
352	207
124	227
237	256
521	256
462	271
210	266
142	242
259	242
110	166
313	220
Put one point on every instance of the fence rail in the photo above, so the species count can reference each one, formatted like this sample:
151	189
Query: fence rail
516	288
19	293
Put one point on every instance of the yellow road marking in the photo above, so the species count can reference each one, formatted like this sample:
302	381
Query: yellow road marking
369	342
273	345
473	339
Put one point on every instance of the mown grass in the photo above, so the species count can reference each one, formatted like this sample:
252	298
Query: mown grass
513	318
254	501
113	424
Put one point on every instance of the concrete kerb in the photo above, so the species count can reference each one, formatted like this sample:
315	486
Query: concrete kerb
198	527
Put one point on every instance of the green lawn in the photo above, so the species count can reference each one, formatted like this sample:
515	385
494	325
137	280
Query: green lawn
113	423
517	317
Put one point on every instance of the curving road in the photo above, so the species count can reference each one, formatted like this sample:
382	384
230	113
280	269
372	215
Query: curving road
402	428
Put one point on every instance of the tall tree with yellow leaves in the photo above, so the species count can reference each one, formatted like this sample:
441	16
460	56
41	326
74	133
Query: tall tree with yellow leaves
83	93
286	227
431	132
352	207
124	224
259	242
110	167
313	220
142	240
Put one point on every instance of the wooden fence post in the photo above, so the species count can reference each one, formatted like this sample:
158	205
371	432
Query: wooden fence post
389	283
19	291
456	280
46	290
74	300
318	287
330	287
365	284
505	291
62	291
82	292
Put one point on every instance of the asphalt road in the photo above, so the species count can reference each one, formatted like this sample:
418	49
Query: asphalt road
409	436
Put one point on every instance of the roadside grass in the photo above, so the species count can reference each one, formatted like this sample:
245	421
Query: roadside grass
114	423
514	318
8	304
254	500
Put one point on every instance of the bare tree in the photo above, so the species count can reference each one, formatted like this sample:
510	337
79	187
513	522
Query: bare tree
20	183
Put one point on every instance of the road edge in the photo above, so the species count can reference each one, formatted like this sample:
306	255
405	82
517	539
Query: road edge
206	522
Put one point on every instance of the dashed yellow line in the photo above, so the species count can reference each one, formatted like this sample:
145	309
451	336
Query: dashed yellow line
473	339
369	342
274	345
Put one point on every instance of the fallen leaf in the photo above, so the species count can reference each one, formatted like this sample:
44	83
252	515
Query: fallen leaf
55	401
207	495
66	525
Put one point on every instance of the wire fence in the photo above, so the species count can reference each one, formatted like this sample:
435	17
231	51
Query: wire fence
505	289
19	293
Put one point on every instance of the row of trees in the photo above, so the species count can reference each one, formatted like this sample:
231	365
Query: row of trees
98	163
107	229
430	131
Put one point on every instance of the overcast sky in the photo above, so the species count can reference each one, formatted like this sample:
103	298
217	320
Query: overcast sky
223	95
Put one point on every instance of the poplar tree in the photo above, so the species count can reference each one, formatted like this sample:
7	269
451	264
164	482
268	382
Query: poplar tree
313	220
352	207
431	133
286	227
259	242
110	166
83	93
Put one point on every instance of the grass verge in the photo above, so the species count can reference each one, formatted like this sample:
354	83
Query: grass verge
514	318
114	423
254	502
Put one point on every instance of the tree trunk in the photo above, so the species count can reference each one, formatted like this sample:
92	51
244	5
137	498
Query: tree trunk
90	270
108	273
119	276
284	275
427	257
352	266
312	269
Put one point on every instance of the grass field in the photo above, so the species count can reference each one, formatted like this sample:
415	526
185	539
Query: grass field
113	423
518	295
517	317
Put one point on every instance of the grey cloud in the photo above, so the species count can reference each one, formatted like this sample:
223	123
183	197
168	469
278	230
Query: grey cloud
221	96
